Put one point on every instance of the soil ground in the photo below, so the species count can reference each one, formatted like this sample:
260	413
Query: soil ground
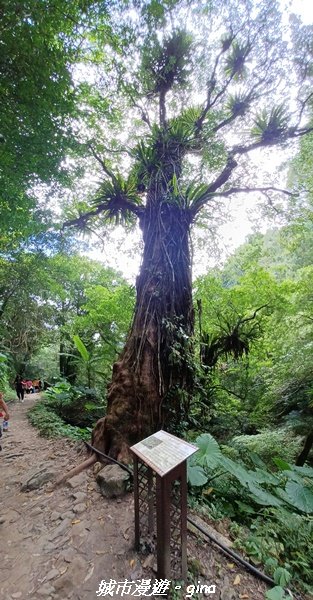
61	543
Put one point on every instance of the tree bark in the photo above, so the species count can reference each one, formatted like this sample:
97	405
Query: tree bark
306	450
153	375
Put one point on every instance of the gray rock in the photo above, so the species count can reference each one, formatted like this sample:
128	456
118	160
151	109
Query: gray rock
55	516
67	515
227	591
77	480
48	547
79	496
79	508
36	478
46	590
68	555
37	511
52	574
112	481
59	530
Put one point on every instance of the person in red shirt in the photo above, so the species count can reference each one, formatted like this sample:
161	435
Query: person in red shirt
29	386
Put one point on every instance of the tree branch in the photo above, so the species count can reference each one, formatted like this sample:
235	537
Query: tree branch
231	164
102	163
247	190
247	319
143	112
162	108
211	87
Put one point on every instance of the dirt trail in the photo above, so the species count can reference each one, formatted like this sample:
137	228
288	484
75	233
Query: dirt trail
60	544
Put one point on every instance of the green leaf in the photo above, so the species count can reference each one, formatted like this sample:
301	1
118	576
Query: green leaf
276	593
262	476
243	475
81	348
209	450
245	508
305	471
281	576
195	192
196	475
281	464
263	497
300	496
257	461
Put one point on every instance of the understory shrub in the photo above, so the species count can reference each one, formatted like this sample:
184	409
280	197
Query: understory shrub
282	541
281	443
271	510
51	425
76	405
67	411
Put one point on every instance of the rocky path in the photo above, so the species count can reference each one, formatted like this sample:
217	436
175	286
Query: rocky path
60	544
57	544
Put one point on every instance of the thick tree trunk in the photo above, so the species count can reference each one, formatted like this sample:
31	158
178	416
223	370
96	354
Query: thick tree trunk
306	450
153	375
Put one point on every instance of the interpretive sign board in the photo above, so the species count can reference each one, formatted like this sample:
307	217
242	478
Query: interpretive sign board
160	491
163	451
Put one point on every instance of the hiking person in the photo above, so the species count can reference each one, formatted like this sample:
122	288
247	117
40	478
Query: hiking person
3	412
19	388
29	386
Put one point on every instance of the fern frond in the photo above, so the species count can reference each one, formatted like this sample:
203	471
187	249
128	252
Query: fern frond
235	64
270	127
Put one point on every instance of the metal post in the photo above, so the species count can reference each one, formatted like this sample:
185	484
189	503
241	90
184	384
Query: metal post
150	501
136	504
163	527
163	456
183	517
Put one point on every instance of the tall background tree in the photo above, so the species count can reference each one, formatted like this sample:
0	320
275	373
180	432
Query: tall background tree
206	100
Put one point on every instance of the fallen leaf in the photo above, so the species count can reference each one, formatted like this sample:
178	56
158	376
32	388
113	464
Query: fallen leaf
132	562
237	580
208	491
89	574
148	562
75	521
244	596
100	552
230	565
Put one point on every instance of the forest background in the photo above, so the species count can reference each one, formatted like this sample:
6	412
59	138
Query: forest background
77	88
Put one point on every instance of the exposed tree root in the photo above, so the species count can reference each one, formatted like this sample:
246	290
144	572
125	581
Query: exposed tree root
84	465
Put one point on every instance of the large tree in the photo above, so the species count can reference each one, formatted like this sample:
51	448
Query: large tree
211	86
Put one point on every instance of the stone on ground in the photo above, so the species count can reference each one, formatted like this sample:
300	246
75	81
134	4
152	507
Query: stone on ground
112	481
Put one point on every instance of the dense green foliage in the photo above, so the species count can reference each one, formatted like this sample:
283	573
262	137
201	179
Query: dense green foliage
66	411
271	508
47	301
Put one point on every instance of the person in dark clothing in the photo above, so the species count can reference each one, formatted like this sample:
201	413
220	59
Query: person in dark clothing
19	388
